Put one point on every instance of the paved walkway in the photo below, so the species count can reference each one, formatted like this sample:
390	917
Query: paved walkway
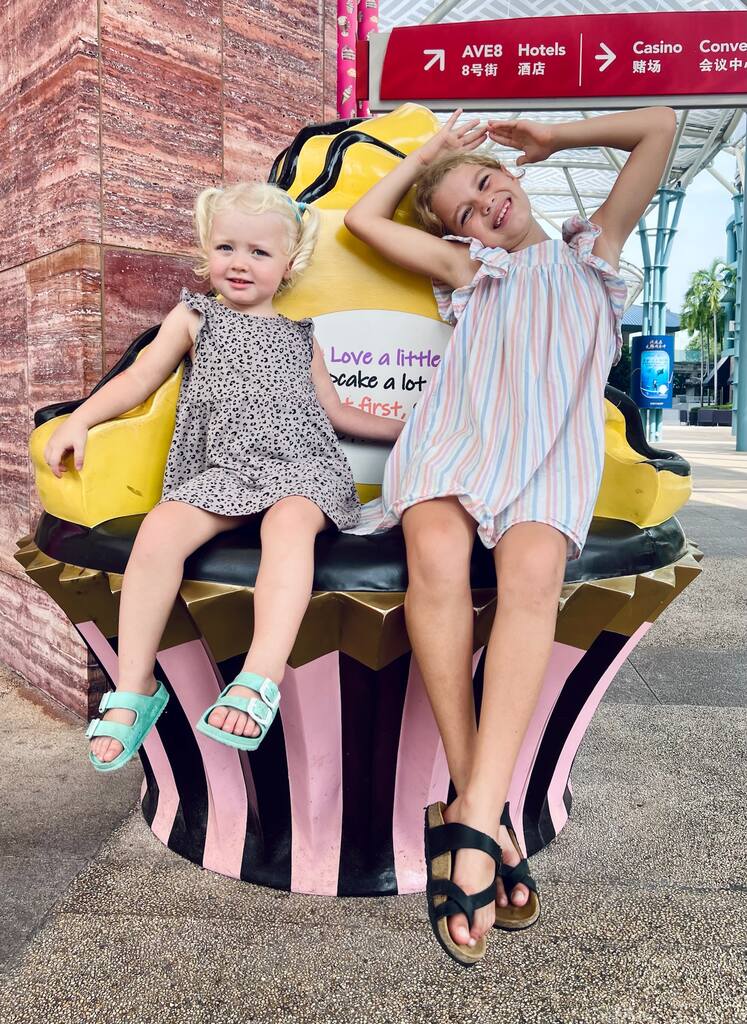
644	892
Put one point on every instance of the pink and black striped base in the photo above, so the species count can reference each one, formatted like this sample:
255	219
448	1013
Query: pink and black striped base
332	801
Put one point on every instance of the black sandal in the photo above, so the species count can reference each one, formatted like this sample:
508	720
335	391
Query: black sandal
445	898
513	918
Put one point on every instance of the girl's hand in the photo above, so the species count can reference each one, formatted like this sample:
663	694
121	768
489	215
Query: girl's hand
70	436
451	139
534	138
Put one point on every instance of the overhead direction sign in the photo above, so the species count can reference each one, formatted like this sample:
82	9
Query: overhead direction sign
618	60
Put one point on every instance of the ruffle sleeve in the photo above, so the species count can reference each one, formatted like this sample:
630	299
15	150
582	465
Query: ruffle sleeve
580	234
195	300
306	326
493	263
199	303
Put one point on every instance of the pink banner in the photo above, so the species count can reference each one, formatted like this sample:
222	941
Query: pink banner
346	39
368	21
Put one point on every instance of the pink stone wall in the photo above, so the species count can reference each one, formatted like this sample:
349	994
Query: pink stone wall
113	115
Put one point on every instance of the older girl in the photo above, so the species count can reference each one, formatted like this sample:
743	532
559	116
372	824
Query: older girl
507	444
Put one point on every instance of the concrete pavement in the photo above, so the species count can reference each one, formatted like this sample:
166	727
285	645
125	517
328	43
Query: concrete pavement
644	892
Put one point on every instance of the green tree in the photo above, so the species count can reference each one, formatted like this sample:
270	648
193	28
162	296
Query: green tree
702	313
695	344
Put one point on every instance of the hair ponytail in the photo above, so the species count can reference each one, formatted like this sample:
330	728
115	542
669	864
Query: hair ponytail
303	251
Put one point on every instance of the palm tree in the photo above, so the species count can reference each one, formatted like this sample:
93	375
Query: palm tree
694	316
727	277
701	311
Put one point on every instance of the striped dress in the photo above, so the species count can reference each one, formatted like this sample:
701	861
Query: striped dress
512	421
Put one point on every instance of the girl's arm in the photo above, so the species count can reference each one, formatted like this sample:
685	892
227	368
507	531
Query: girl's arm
646	133
125	391
370	219
346	419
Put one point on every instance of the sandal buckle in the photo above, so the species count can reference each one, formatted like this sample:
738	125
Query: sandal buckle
92	727
261	714
270	693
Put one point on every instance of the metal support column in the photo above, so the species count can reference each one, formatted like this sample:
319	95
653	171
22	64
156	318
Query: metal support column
654	321
739	389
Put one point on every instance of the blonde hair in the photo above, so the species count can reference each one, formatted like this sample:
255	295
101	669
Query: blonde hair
432	176
302	221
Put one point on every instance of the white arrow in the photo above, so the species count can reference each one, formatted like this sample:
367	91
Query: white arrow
608	56
438	55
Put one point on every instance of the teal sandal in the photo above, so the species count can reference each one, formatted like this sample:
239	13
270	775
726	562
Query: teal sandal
147	712
261	709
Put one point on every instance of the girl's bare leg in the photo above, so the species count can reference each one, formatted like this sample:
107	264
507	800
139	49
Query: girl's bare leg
530	564
439	535
168	534
281	596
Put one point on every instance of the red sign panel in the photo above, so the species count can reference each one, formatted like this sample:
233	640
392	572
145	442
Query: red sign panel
666	54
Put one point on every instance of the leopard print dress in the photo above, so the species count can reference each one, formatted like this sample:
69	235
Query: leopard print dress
249	427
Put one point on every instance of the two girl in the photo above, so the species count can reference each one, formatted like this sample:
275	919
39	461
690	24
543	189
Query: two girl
507	443
255	434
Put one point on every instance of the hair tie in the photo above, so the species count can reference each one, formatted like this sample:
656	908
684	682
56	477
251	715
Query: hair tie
297	206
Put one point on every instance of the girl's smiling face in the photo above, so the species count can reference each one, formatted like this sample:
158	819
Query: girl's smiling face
487	204
248	259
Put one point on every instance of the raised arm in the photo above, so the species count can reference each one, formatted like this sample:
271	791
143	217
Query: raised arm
125	391
370	219
646	133
346	419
